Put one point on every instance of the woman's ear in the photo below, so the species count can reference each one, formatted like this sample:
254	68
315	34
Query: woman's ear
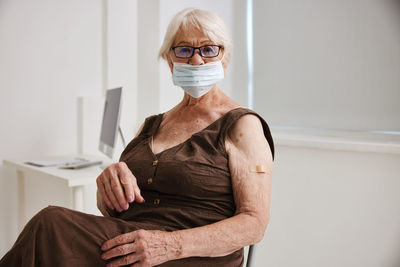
224	65
225	60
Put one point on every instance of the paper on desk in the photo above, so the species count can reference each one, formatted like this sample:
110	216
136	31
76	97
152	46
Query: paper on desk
56	162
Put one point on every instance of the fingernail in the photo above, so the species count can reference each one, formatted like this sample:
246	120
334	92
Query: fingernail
119	209
126	206
130	199
103	247
111	207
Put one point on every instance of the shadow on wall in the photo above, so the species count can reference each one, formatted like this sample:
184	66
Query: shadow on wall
395	6
396	262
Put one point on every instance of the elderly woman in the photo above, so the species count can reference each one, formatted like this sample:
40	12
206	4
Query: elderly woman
191	189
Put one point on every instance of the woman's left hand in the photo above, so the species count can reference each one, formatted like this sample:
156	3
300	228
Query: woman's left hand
140	248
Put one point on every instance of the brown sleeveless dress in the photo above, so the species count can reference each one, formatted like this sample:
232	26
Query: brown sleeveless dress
186	186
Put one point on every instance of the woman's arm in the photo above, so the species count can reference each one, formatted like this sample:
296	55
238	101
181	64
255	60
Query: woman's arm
109	200
246	147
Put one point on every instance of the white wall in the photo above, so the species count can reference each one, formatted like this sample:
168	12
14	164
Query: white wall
335	65
38	104
50	53
122	62
328	64
239	67
333	208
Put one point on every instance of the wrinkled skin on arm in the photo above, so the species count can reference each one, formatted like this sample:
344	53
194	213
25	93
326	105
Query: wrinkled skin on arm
247	147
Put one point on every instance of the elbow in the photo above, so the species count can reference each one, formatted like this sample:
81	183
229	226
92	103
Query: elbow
259	235
260	227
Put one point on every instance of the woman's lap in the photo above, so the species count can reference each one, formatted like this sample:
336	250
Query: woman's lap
58	236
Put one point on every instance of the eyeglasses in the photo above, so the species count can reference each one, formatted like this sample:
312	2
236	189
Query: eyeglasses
206	51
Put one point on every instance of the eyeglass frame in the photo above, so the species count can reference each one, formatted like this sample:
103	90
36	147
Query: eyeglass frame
194	49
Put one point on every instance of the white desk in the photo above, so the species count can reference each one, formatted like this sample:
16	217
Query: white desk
75	179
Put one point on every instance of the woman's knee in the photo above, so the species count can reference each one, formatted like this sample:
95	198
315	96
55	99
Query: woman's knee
47	215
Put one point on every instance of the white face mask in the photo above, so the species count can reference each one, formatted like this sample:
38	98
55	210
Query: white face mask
197	80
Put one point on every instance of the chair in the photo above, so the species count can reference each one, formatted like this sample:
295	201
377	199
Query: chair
250	256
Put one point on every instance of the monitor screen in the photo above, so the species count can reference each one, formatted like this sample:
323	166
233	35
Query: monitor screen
110	124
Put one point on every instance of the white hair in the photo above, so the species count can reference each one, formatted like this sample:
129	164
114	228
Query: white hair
207	22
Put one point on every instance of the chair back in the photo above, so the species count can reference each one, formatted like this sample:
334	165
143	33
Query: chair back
250	256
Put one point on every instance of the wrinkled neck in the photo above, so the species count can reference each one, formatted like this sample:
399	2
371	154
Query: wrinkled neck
208	99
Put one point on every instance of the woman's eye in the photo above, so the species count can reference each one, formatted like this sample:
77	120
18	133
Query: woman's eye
184	50
208	49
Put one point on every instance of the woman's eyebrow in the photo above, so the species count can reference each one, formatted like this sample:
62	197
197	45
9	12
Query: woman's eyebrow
190	44
183	43
207	42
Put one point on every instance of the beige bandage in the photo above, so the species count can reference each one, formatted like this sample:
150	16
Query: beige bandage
258	168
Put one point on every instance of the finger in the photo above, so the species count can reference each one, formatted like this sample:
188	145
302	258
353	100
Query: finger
117	190
110	194
119	240
128	259
129	182
127	178
136	190
138	195
118	251
106	200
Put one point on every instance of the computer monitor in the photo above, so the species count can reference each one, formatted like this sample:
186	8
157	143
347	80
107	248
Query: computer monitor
110	124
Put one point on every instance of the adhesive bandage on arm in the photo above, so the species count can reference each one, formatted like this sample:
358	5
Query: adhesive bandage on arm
258	168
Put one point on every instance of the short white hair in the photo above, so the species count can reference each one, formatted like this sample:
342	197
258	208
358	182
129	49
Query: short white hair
207	22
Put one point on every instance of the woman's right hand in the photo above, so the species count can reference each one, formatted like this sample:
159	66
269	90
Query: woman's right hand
118	187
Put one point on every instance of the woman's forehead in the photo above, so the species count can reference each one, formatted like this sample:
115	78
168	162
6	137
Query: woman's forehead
191	35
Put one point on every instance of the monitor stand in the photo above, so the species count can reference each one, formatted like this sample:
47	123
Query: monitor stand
104	165
122	136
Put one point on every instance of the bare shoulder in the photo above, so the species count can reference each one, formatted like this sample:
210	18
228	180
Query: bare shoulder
247	121
247	135
247	126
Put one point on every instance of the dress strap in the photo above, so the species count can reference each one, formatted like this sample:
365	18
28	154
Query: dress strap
150	125
235	114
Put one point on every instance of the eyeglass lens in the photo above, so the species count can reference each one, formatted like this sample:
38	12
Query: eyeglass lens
188	51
